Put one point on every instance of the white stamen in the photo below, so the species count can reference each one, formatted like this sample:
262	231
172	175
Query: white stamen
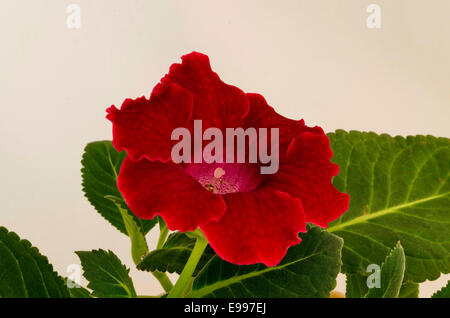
218	173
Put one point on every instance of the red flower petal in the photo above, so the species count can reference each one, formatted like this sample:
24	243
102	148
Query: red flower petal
215	103
307	174
157	188
143	127
258	227
262	115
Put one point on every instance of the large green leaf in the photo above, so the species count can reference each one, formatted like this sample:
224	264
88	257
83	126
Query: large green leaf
444	292
24	272
392	272
107	276
174	255
399	191
356	286
409	290
77	291
101	165
308	270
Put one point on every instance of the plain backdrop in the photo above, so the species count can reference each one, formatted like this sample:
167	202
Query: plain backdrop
315	60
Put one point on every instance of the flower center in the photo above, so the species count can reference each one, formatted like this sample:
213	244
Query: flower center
224	178
219	185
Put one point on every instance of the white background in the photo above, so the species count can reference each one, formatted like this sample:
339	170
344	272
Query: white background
315	60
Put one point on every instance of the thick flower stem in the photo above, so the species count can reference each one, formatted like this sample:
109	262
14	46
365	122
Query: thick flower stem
186	274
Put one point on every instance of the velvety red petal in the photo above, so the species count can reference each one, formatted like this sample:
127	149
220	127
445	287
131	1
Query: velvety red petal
262	115
157	188
143	127
257	227
215	103
306	174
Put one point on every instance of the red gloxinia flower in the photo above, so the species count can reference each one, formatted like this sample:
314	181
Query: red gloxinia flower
247	217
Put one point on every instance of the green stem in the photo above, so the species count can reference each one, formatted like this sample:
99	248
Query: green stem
188	287
160	276
186	275
163	232
163	280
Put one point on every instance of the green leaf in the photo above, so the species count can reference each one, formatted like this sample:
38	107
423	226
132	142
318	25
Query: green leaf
174	255
139	246
24	272
101	165
107	276
409	290
399	191
444	292
392	272
11	279
356	286
308	270
79	291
